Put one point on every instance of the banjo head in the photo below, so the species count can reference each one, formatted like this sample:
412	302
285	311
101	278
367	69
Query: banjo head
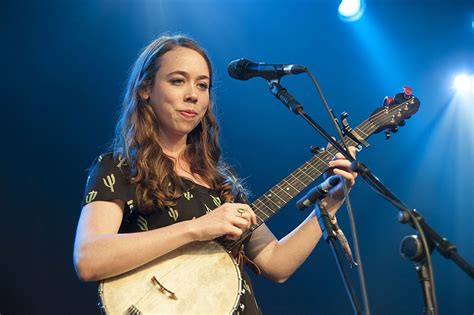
197	278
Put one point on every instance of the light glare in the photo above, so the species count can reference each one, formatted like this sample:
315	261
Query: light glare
464	82
351	10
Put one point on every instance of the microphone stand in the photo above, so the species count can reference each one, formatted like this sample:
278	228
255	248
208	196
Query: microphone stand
406	215
323	217
329	234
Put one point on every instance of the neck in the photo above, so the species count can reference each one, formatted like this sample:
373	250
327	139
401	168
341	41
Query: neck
172	145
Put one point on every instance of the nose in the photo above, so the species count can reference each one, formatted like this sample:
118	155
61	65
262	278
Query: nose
191	95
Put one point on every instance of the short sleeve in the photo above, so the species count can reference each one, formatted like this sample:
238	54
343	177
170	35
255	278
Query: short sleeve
107	181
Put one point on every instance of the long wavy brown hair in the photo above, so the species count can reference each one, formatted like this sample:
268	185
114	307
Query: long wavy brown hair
136	137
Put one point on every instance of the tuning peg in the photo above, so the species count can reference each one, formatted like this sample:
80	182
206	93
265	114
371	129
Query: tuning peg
402	123
387	101
394	129
387	134
407	92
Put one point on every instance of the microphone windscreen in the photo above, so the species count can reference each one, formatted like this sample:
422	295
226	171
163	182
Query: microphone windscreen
237	69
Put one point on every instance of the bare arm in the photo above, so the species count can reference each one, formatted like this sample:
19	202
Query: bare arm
100	252
278	259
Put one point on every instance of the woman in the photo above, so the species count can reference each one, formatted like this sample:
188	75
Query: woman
165	186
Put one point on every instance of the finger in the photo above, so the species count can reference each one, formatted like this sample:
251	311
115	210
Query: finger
241	218
340	164
242	222
329	145
233	233
353	151
251	215
253	218
347	174
349	177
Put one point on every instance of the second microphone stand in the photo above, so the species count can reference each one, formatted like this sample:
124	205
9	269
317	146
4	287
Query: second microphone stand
329	228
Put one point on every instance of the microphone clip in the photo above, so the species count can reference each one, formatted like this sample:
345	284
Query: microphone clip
331	229
285	97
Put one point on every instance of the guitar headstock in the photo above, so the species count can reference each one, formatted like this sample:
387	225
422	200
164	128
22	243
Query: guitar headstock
394	111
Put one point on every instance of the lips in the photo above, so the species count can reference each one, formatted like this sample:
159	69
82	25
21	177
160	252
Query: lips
188	113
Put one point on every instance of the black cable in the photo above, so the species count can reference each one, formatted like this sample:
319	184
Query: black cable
348	203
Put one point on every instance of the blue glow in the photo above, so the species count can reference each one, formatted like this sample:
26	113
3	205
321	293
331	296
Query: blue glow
464	83
372	34
351	10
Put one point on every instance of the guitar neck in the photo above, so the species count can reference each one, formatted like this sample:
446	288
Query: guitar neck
283	192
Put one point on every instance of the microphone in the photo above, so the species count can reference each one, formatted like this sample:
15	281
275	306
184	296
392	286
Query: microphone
318	192
243	69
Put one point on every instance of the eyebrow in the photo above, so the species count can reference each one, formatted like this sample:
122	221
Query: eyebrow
185	74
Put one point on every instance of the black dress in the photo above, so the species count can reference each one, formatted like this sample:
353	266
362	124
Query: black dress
106	182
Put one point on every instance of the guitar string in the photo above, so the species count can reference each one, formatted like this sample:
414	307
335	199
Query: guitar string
313	172
296	174
292	179
310	169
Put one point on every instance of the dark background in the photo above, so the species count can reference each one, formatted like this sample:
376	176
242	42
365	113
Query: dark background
64	66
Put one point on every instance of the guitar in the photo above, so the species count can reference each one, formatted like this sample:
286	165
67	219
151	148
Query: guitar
203	277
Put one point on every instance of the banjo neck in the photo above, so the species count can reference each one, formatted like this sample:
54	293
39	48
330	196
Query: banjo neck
279	195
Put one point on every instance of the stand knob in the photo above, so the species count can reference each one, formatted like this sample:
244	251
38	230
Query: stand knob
411	248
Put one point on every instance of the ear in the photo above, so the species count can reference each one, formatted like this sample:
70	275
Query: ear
144	94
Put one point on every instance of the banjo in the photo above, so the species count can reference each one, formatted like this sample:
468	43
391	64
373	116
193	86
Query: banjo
203	277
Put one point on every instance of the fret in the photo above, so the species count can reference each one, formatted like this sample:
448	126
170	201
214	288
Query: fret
280	194
303	171
299	186
289	189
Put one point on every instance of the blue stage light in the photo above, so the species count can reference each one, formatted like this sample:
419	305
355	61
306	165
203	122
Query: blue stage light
351	10
464	83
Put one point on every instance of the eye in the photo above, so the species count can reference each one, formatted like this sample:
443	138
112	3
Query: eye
177	81
203	86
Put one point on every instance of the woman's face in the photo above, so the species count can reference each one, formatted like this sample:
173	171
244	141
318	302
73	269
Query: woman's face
180	94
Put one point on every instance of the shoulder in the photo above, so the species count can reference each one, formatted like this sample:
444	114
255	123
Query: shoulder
108	179
108	162
109	159
108	165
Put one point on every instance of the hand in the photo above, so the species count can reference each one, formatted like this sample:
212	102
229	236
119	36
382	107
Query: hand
229	219
340	166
